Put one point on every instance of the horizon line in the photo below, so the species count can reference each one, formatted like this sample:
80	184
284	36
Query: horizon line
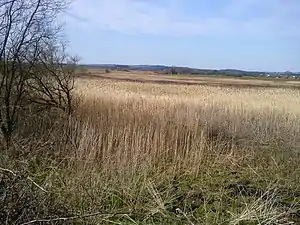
187	67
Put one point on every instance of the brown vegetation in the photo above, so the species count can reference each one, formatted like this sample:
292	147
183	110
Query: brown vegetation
152	77
145	153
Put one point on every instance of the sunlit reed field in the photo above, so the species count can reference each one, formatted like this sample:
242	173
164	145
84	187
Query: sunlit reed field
152	153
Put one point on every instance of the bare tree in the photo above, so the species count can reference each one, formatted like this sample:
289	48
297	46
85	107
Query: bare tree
52	80
34	68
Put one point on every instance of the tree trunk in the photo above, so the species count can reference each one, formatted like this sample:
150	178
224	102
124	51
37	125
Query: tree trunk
7	135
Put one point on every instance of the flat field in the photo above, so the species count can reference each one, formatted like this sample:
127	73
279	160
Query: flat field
157	149
153	77
222	150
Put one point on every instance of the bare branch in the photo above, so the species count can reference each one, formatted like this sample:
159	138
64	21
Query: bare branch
72	218
9	171
28	178
33	63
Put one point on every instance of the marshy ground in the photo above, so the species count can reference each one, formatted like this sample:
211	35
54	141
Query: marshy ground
151	149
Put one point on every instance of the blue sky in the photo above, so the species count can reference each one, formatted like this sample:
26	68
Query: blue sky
243	34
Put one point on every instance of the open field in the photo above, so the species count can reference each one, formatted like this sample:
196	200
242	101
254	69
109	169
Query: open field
161	151
152	77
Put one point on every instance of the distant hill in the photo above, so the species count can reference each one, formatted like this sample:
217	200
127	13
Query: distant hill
130	67
162	69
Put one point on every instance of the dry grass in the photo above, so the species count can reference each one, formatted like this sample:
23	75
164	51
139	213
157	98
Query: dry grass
152	77
142	152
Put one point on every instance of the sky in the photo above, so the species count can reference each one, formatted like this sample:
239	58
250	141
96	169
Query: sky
213	34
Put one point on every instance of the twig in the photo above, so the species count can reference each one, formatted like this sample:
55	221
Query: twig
126	214
183	213
71	218
28	178
9	171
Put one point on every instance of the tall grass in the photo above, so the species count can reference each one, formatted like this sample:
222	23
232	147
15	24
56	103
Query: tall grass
141	153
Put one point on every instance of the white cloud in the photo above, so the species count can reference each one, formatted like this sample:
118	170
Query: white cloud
238	17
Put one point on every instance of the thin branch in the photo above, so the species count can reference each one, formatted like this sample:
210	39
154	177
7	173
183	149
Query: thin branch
73	217
9	171
185	216
92	215
28	178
